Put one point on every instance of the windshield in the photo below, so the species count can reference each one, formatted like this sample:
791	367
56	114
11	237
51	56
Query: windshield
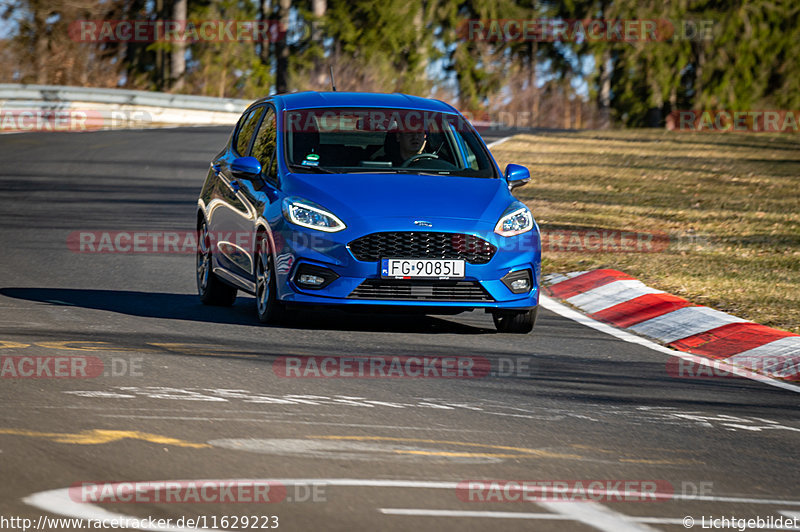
378	140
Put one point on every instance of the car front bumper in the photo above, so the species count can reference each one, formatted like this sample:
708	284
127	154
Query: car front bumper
295	246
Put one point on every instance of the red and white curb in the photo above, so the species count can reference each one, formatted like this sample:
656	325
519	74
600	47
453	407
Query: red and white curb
613	297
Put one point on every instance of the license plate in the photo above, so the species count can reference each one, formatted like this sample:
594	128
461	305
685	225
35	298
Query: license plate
422	268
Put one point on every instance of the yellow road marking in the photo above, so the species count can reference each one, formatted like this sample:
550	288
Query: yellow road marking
75	345
5	344
659	462
99	436
95	346
523	450
463	455
590	448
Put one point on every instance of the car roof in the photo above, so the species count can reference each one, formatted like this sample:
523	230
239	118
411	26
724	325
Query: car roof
313	99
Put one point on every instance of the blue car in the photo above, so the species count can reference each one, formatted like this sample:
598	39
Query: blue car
365	201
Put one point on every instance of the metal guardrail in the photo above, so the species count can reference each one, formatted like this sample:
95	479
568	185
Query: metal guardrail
66	94
57	107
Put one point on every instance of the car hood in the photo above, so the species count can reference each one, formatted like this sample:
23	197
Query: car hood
401	195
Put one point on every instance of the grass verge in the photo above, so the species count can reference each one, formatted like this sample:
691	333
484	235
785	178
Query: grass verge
728	204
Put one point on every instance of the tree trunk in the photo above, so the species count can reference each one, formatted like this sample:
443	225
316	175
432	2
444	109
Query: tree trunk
161	67
40	44
654	113
700	60
604	96
264	12
178	58
318	9
282	48
533	48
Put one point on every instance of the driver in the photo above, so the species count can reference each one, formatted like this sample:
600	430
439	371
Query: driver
400	146
411	143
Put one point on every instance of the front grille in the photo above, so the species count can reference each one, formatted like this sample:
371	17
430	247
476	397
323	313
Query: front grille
414	245
420	290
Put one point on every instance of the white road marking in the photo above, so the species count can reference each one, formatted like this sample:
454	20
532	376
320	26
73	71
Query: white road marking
215	395
499	141
611	294
595	515
603	413
103	395
562	310
348	450
423	512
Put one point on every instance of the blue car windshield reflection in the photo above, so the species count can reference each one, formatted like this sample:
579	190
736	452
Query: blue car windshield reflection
375	140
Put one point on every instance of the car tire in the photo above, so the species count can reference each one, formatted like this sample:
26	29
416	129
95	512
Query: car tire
268	308
210	288
515	322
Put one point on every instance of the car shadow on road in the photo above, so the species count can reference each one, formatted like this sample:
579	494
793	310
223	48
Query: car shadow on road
188	307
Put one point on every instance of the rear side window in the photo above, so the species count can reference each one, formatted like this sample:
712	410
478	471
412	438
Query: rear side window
247	129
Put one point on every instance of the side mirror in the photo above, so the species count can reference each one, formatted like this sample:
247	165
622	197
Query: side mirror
517	176
246	167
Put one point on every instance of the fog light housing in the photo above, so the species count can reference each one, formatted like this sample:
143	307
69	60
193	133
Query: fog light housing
519	282
311	277
312	280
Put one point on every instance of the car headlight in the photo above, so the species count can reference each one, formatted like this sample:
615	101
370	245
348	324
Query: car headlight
516	220
306	215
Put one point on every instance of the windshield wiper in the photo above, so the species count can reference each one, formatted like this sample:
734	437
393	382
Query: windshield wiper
312	169
400	171
420	172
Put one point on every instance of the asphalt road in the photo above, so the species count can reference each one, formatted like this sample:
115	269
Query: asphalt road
199	398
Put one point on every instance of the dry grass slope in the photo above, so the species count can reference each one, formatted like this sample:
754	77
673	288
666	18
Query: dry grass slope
730	203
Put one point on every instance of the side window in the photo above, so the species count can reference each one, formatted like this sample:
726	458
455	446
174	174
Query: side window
468	156
264	146
247	129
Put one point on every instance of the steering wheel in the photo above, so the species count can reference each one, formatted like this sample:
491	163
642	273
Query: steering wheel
418	157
